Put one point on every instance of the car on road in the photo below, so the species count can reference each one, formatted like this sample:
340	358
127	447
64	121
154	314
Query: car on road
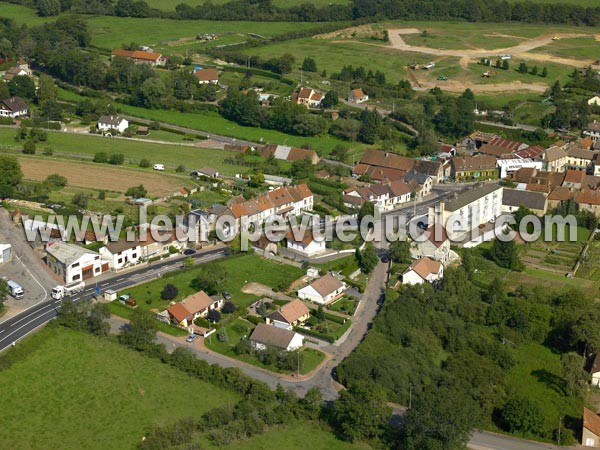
191	338
226	295
189	251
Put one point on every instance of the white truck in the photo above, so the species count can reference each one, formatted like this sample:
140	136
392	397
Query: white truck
68	290
15	289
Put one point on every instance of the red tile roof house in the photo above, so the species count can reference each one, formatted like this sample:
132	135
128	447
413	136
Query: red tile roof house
425	270
141	57
189	309
590	435
357	96
290	315
207	76
309	97
589	200
379	158
307	245
285	153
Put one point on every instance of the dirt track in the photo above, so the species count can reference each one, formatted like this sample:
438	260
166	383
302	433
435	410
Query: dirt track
520	50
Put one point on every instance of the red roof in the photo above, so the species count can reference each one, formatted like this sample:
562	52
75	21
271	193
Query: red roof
210	74
137	54
437	234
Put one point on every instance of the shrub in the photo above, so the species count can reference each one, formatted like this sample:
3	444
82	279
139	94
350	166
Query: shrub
48	151
228	307
214	315
116	159
100	157
144	163
180	168
29	148
101	195
169	292
56	180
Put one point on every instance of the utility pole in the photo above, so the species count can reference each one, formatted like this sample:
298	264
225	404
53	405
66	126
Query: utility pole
410	396
559	429
298	366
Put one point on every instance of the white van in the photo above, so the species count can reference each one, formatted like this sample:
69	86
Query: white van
159	167
15	290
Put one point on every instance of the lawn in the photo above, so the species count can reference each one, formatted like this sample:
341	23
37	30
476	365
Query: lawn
241	270
213	122
71	390
110	32
295	436
241	328
537	377
85	146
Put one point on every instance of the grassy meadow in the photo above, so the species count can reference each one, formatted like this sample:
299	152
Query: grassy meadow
81	146
71	390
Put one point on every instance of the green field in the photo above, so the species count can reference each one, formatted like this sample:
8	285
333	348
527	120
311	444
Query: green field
241	270
70	390
537	377
110	32
85	146
581	47
212	122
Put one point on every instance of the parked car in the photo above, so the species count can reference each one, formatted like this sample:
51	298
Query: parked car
189	251
159	167
226	295
191	338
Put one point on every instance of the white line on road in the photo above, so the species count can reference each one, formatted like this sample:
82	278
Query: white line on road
34	312
24	325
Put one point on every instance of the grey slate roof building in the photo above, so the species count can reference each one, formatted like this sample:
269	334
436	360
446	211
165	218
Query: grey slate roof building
454	204
528	199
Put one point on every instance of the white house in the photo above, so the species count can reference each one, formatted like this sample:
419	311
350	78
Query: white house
5	253
424	270
357	96
436	245
309	98
22	69
324	290
468	210
121	254
13	107
112	123
307	244
206	75
595	371
265	336
592	130
289	315
74	263
590	435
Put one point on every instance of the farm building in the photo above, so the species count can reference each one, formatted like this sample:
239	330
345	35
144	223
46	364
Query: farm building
74	263
108	124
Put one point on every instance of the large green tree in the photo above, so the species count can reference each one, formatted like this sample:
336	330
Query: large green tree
524	416
367	259
505	254
10	175
361	412
400	252
441	418
211	279
140	333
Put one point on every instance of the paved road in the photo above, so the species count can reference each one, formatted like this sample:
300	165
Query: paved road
517	126
17	327
481	440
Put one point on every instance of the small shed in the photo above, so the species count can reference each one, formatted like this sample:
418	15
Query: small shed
110	295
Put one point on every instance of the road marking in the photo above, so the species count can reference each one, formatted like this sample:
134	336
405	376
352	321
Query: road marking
24	325
104	284
34	312
120	279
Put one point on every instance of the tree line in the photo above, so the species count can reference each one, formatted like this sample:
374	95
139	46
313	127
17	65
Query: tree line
265	10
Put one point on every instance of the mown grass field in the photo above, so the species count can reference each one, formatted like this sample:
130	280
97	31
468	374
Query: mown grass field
82	146
241	270
71	390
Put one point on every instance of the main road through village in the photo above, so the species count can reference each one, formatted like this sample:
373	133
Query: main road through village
18	326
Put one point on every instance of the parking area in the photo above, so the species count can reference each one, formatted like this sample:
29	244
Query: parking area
26	268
